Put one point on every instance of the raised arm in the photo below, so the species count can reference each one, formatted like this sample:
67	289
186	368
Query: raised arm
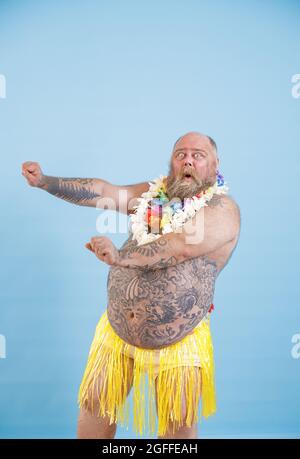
90	192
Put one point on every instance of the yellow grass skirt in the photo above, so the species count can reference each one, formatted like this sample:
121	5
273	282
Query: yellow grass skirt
173	365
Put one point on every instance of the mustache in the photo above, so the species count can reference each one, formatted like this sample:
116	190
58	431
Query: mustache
187	171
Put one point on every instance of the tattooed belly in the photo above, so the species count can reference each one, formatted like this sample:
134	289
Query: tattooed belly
156	308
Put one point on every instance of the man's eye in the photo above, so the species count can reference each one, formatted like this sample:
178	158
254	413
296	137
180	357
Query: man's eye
180	155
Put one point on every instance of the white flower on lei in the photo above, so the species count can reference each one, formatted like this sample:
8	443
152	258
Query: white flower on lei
172	223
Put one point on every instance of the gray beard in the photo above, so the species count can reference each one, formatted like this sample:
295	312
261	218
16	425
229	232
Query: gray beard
177	188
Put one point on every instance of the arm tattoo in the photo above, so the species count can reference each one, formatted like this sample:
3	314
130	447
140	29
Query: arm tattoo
75	190
163	263
157	254
147	250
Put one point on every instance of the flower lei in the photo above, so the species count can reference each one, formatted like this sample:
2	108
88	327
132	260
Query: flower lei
154	216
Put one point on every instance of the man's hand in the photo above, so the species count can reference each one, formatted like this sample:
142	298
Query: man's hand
33	173
104	249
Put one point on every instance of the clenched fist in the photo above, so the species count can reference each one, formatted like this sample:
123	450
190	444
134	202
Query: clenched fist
33	173
104	249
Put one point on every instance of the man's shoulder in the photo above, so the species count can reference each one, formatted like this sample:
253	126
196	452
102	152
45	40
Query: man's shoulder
224	209
234	212
224	201
232	202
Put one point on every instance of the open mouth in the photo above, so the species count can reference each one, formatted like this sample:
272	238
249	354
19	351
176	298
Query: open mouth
187	176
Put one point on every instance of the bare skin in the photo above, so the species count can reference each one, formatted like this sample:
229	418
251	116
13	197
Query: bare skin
160	291
153	308
89	192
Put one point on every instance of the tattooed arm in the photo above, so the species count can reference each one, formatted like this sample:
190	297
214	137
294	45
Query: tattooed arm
91	192
211	228
80	191
168	250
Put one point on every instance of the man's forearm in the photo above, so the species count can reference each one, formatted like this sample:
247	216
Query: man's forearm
168	250
81	191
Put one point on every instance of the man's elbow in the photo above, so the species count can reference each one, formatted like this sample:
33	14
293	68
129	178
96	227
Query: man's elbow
191	250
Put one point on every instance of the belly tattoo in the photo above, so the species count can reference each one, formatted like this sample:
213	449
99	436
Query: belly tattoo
155	308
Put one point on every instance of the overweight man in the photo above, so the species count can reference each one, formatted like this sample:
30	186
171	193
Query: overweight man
160	292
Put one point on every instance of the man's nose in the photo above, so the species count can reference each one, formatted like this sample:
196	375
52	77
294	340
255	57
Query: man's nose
188	162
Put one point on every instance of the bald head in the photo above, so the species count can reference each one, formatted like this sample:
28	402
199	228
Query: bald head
195	134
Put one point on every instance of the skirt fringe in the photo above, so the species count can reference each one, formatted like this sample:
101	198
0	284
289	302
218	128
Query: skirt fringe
109	357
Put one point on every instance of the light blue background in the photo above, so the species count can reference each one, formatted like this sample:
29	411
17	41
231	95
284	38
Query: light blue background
103	89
